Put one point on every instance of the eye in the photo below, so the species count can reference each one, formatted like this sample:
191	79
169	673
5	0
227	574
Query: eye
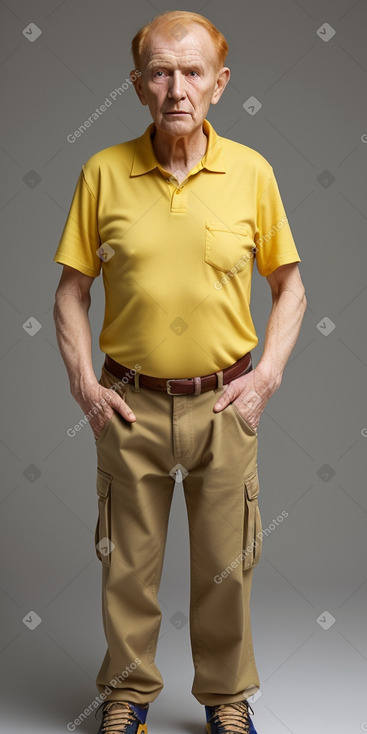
156	73
193	72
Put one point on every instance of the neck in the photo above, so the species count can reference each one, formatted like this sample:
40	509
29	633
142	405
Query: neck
179	153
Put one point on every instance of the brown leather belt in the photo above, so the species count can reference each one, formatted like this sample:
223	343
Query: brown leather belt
184	386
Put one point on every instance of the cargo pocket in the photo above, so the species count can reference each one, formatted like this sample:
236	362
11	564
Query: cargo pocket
252	526
103	543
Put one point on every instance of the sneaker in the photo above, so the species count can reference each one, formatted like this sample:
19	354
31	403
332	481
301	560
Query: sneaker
123	717
229	718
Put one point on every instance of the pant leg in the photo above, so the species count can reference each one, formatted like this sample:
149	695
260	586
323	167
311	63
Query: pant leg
219	452
134	494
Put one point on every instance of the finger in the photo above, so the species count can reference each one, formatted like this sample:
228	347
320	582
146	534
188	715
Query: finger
225	398
127	413
118	404
231	392
98	425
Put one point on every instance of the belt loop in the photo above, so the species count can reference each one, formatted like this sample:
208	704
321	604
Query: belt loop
197	385
219	378
136	387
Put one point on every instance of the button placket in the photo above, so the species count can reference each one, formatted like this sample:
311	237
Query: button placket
179	199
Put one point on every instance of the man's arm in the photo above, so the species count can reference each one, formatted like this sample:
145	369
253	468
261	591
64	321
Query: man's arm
72	303
251	392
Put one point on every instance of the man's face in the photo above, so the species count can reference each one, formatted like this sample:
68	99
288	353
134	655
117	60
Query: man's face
180	78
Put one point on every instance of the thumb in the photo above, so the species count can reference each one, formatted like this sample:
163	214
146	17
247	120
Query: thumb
117	403
224	399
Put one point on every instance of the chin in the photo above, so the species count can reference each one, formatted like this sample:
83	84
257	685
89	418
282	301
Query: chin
185	123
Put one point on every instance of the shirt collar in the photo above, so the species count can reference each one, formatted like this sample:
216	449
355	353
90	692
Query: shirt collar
145	159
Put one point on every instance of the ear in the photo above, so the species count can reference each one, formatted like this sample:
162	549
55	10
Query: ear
135	76
223	77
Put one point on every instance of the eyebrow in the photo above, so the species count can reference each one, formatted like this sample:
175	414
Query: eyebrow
165	63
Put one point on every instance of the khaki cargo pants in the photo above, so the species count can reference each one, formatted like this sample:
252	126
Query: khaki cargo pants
216	454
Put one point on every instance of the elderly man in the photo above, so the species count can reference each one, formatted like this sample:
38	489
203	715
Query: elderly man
176	218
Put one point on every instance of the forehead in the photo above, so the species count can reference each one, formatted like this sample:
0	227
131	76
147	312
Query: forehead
180	44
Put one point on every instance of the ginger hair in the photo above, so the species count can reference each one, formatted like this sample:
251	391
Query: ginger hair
176	23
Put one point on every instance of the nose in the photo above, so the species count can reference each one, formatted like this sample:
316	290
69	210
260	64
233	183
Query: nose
176	88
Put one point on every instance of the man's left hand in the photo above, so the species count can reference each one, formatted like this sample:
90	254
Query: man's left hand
249	393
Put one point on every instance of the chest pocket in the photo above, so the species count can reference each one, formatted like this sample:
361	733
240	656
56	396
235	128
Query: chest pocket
227	248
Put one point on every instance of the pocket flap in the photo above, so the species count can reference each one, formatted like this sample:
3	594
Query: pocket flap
252	484
103	482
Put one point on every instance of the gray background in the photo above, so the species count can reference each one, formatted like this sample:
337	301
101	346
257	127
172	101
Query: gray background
312	437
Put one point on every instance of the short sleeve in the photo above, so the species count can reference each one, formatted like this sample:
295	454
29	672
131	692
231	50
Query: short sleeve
80	237
274	240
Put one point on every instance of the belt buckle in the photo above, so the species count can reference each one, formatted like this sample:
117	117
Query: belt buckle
182	379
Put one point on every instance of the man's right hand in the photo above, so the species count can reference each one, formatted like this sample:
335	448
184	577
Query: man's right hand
74	337
99	403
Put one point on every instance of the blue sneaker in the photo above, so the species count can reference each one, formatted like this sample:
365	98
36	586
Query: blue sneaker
124	717
229	718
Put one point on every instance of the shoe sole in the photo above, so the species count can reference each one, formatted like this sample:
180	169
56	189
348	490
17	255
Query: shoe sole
208	728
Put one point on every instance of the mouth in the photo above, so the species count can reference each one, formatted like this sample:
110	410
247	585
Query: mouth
177	112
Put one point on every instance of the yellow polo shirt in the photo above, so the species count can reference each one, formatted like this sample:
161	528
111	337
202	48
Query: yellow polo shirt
177	259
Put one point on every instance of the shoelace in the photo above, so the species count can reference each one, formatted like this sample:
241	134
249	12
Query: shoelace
117	715
232	718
